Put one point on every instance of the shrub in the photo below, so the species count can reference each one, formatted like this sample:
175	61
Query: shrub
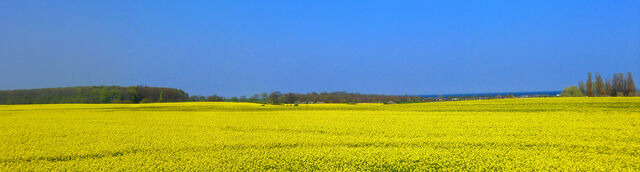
146	100
572	91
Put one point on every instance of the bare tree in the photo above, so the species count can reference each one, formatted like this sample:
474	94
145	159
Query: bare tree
618	84
600	90
609	86
589	86
582	89
631	86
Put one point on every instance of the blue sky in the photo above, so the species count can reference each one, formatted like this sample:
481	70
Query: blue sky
235	48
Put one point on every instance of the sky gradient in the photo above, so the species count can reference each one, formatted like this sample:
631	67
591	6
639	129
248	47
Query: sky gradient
235	48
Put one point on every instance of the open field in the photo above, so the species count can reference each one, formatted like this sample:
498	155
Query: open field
525	134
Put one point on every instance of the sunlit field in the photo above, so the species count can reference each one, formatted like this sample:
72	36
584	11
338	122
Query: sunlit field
506	134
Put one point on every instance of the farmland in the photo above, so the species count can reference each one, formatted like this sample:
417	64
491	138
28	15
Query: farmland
502	134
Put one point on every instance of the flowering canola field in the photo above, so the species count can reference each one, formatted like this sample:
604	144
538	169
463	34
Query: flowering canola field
506	134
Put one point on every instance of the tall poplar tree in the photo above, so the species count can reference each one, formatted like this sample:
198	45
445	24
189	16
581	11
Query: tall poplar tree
618	83
589	86
600	90
581	87
609	86
631	86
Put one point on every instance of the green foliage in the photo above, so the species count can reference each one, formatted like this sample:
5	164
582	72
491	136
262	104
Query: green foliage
338	97
92	94
215	98
160	98
572	91
146	100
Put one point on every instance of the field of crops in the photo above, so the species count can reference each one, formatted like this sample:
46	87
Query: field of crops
508	134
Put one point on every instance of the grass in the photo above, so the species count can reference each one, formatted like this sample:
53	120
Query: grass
508	134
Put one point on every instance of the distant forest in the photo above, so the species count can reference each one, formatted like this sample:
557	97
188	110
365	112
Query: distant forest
144	94
323	97
93	94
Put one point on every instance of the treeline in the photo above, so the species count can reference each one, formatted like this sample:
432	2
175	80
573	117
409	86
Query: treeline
346	97
309	98
144	94
93	94
619	85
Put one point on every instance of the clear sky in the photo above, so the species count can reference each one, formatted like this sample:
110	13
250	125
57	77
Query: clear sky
235	48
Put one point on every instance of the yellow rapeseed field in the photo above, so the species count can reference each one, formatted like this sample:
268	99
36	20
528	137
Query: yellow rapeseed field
600	134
